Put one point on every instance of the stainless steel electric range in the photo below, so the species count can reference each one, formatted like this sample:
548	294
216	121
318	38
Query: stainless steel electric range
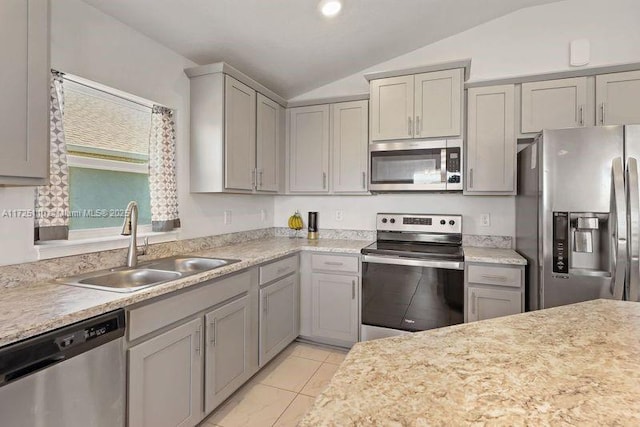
413	275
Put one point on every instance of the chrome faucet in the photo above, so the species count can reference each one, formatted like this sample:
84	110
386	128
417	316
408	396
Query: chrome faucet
130	228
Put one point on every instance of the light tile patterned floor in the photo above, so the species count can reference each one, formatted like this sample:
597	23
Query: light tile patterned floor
282	392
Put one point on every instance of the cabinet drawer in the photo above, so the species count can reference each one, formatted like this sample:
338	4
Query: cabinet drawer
156	315
349	264
278	269
499	276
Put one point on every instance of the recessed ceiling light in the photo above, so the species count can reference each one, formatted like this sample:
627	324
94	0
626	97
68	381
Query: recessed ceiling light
330	7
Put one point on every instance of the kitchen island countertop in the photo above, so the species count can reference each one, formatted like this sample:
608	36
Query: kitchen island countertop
570	365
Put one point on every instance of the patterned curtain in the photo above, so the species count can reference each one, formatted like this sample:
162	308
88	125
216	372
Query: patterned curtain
163	187
52	200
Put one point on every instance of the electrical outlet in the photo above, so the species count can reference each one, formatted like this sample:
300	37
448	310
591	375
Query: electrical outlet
485	220
339	215
227	217
263	215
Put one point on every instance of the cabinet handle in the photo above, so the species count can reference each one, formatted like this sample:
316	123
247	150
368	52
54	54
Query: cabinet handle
266	304
473	303
418	126
336	263
260	175
494	277
364	180
253	178
581	115
410	128
282	270
198	337
324	180
602	113
213	332
471	178
353	289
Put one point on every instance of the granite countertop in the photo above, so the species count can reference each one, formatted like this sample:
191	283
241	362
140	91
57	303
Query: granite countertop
32	309
493	256
570	365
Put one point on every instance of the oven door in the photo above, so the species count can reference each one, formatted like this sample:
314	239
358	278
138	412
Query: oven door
415	166
411	295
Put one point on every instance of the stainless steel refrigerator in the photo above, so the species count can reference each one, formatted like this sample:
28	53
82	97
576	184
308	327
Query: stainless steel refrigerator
577	213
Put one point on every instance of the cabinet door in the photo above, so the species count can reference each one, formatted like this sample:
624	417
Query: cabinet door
309	149
491	140
334	307
349	125
165	378
240	135
618	98
278	317
392	108
227	360
483	303
438	104
554	104
268	137
24	87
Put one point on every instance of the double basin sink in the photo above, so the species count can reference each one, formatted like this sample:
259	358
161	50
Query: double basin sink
152	273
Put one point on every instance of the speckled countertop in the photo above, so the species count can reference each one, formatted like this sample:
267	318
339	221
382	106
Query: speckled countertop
32	309
493	256
571	365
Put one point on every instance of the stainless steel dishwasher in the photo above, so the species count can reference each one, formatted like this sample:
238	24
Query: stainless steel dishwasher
73	376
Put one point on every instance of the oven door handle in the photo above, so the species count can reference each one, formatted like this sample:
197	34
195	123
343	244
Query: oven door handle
380	259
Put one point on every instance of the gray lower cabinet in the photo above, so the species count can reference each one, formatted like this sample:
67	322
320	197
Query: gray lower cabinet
334	307
227	351
165	378
489	303
278	317
493	290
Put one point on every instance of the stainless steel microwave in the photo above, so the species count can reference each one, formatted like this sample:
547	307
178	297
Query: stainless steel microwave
416	166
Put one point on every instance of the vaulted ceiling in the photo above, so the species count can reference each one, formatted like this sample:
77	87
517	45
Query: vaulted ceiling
289	46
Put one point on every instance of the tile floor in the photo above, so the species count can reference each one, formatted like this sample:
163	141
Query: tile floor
282	392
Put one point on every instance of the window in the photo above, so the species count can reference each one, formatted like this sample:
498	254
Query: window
108	153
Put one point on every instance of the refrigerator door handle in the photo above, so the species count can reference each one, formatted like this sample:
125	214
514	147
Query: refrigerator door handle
620	231
633	197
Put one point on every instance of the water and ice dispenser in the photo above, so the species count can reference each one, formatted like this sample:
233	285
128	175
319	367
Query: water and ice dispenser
580	243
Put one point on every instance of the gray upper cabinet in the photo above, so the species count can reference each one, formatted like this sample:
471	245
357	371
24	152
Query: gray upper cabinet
555	104
240	135
227	351
426	105
349	143
237	129
491	141
24	87
309	149
438	104
392	106
165	379
278	317
618	98
267	143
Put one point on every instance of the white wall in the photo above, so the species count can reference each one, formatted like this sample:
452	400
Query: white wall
359	211
530	41
90	44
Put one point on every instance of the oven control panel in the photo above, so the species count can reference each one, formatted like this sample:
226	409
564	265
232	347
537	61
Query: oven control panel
419	222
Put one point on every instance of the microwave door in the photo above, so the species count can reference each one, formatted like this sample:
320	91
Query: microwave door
422	169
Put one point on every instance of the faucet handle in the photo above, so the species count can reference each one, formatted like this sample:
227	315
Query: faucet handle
145	247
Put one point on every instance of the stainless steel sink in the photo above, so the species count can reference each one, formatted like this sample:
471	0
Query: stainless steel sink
187	265
129	280
152	273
